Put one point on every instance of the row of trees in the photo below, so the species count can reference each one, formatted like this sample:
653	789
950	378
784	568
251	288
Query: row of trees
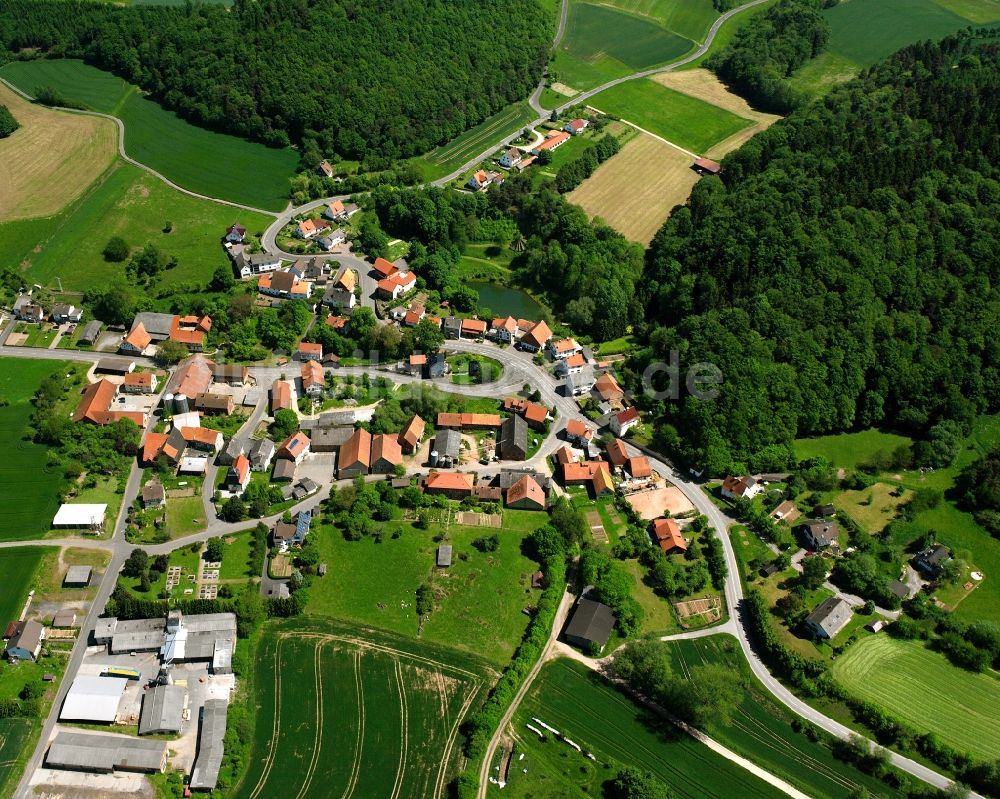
393	79
573	173
841	274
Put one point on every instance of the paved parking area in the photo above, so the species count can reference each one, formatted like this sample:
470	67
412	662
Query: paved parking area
317	466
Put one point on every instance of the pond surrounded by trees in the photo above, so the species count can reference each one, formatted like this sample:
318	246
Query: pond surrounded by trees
507	301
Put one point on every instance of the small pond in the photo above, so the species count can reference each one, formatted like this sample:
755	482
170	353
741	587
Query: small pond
507	301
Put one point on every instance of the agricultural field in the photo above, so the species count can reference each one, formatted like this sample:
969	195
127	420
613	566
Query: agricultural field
760	729
866	31
478	600
129	202
618	732
923	688
636	189
14	735
688	18
360	714
849	450
686	121
29	487
214	164
449	157
51	158
594	32
18	566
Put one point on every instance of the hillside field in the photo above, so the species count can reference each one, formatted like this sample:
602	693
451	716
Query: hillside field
449	157
359	714
214	164
594	32
601	720
478	600
686	121
18	566
688	18
760	729
129	202
635	190
51	158
923	688
29	488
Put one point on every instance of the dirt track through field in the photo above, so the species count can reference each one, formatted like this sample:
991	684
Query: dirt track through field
48	162
352	783
275	724
318	732
403	731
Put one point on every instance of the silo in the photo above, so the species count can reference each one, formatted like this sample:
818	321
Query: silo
434	457
180	403
168	402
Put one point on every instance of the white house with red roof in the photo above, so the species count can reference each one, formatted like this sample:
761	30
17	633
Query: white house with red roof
397	285
624	421
576	126
235	233
510	158
481	179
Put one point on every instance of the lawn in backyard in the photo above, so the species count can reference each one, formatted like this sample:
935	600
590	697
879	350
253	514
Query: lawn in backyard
18	566
210	163
463	148
357	711
128	202
236	557
760	729
478	600
589	711
686	121
185	515
29	486
922	688
595	31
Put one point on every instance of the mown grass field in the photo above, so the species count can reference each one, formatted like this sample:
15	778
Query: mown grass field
686	121
688	18
478	600
357	712
593	714
29	488
214	164
849	450
449	157
635	190
923	688
51	158
760	729
595	31
865	31
131	203
18	566
874	507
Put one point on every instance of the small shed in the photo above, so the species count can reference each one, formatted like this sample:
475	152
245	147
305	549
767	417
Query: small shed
444	556
64	619
77	577
706	166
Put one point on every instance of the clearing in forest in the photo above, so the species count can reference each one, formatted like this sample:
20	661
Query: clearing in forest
51	158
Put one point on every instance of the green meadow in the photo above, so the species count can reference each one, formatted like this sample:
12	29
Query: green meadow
29	487
686	121
923	688
598	31
200	160
17	573
588	710
128	202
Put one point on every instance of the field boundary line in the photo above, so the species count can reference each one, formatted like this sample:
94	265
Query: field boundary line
404	735
275	723
352	782
129	159
318	735
439	784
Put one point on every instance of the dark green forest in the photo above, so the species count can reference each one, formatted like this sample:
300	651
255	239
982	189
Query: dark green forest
843	272
7	122
769	48
389	77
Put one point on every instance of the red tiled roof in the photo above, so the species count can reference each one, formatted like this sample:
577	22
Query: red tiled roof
138	379
608	387
138	337
616	452
539	332
413	432
708	165
281	395
294	445
579	429
668	535
201	435
563	455
554	139
639	466
356	450
535	413
97	398
628	415
337	322
384	267
310	348
152	446
312	374
418	360
528	489
576	359
449	481
386	447
473	326
242	468
565	345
